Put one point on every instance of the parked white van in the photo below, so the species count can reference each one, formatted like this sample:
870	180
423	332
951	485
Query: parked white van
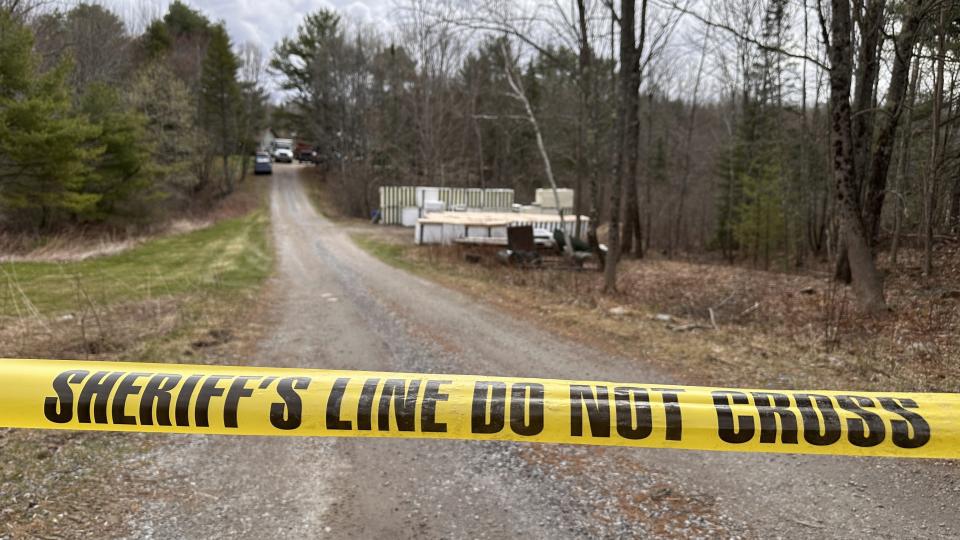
283	150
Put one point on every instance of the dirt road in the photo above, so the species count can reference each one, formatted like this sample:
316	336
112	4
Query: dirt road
336	307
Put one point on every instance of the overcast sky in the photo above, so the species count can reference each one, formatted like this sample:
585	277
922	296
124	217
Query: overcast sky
264	22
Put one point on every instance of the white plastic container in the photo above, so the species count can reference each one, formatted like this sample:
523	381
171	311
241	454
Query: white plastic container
424	194
545	198
434	206
409	216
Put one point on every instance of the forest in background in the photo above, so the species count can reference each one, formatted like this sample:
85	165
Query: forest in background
112	123
780	134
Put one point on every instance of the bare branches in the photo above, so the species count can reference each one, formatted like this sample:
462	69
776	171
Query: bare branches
20	9
822	18
516	85
253	63
741	36
503	23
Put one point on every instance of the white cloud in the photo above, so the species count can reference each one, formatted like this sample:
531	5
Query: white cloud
265	23
360	12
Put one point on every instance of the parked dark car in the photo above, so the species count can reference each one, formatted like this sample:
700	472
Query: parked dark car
262	164
307	155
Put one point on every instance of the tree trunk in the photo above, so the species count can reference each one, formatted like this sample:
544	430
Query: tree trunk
629	224
876	187
632	224
955	206
628	127
227	177
867	72
905	140
936	151
805	133
867	284
581	171
632	142
633	228
841	272
648	198
585	66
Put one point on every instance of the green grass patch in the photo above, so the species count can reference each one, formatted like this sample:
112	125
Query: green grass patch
231	256
154	302
391	253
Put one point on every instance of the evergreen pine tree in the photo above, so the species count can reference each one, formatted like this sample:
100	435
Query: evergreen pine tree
46	151
220	100
122	174
251	119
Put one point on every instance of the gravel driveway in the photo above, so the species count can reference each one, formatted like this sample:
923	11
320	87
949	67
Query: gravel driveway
337	307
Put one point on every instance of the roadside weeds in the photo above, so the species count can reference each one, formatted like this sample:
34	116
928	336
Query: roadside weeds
190	297
716	325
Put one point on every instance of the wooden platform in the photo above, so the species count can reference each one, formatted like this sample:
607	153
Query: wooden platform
495	219
449	227
497	241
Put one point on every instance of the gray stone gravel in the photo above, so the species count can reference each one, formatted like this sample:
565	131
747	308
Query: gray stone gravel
337	307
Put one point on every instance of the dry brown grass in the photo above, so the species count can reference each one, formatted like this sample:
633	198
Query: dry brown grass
51	481
772	329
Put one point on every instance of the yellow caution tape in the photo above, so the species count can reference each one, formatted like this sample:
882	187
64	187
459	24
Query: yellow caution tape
167	398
